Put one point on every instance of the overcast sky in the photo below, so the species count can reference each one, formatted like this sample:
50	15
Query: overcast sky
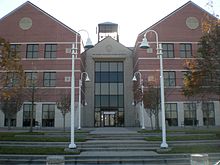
132	16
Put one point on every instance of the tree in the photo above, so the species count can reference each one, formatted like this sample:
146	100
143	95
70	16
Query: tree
63	104
12	80
151	100
203	74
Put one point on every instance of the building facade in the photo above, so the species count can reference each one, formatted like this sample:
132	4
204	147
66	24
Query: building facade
44	44
179	33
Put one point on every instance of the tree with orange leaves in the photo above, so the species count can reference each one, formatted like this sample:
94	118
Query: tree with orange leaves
203	74
12	81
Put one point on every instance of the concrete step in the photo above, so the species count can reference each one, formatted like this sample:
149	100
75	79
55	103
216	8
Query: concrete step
115	158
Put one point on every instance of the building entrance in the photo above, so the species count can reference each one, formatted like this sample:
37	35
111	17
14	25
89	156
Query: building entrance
109	118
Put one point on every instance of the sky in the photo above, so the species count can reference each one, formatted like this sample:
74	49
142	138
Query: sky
132	16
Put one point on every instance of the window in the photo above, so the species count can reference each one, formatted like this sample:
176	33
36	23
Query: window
109	92
27	108
14	50
169	79
185	50
208	113
50	51
32	51
48	115
171	114
190	114
31	78
11	79
49	79
168	50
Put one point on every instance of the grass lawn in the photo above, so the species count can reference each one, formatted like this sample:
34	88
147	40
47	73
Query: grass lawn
35	150
35	137
194	149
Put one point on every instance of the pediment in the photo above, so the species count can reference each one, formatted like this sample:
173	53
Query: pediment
29	22
109	46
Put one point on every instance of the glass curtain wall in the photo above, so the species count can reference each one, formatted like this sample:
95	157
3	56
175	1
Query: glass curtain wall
109	94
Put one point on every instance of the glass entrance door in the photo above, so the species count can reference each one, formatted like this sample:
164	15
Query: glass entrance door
109	119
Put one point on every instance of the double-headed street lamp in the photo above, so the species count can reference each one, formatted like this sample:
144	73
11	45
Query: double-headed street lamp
142	91
80	86
145	45
72	144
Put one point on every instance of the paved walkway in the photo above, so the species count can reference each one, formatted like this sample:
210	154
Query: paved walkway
114	130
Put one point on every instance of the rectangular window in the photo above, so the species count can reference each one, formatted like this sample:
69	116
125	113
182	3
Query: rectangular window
27	108
48	115
185	50
168	50
32	51
169	79
50	51
190	114
31	78
14	50
208	113
49	79
11	79
171	114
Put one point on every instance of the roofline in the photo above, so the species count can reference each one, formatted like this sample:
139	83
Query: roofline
175	11
42	11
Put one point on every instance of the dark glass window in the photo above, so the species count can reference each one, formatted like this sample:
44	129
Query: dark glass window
171	114
27	108
109	93
190	114
169	79
208	113
48	115
186	50
31	78
50	51
168	50
14	50
32	51
49	79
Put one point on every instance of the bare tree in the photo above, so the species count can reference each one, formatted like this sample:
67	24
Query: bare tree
63	104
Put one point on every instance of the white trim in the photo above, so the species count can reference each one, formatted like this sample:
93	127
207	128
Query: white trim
36	70
45	42
47	59
165	70
153	58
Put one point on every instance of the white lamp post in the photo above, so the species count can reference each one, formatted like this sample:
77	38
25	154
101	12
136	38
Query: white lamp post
80	85
142	91
72	144
145	45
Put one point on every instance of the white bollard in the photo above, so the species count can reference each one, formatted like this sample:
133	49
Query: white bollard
199	159
55	160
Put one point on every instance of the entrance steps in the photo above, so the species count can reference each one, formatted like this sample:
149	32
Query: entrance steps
112	146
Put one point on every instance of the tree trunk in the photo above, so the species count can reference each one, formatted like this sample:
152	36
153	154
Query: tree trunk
9	123
151	121
32	110
64	122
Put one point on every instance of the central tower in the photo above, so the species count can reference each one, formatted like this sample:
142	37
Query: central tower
108	29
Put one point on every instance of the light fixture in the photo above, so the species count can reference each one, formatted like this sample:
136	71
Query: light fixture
134	78
88	43
74	53
145	45
80	89
142	91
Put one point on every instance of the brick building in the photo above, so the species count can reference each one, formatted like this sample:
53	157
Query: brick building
44	44
179	33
